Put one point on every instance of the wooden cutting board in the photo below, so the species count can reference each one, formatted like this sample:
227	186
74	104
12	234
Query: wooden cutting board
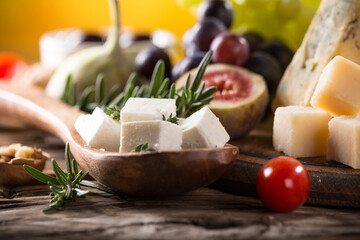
332	183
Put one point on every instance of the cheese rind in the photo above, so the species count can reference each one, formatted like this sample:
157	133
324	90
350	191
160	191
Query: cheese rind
300	131
338	89
203	129
144	109
160	135
343	144
99	130
334	30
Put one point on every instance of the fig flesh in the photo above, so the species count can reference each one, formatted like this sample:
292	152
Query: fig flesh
241	97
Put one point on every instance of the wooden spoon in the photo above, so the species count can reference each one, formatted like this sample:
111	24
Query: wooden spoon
147	174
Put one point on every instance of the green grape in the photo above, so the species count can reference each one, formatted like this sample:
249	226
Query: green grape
294	31
262	20
241	13
287	9
258	4
312	3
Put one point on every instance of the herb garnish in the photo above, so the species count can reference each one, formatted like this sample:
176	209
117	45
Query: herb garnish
172	119
188	98
65	187
91	97
143	148
191	97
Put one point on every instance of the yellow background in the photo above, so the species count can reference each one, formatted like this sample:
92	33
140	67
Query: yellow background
22	22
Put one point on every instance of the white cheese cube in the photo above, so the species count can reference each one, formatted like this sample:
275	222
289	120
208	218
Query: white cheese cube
300	131
338	89
160	135
344	141
203	129
99	130
144	109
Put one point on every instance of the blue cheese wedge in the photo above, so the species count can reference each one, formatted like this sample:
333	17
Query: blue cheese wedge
203	129
144	109
99	130
334	30
159	135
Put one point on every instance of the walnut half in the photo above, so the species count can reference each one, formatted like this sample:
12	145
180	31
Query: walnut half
12	159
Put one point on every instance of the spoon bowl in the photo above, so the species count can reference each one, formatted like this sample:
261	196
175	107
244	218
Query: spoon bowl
148	174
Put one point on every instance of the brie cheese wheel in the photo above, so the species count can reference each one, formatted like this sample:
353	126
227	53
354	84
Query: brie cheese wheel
99	130
159	135
334	30
203	129
143	109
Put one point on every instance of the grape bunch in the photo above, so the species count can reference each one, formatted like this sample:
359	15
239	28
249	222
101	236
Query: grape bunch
249	50
287	20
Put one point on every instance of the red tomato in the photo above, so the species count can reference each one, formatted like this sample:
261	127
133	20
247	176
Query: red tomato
11	64
283	184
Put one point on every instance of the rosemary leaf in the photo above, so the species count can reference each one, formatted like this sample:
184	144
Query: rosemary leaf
66	186
171	118
40	176
156	78
143	148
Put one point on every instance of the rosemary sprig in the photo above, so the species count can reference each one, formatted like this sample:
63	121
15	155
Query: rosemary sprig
65	187
188	98
90	97
192	97
172	119
113	112
143	148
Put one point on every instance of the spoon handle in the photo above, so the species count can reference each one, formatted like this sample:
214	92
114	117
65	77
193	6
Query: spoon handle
32	106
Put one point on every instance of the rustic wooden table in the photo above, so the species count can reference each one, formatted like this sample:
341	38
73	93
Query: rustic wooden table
202	214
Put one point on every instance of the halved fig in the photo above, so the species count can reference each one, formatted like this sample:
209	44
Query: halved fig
241	97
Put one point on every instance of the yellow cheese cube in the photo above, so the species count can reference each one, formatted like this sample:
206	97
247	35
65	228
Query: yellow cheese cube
300	131
337	91
344	140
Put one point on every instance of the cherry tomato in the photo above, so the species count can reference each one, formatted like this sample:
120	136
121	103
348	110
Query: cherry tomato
283	184
11	64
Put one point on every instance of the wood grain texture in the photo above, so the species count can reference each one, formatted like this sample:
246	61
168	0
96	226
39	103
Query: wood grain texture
201	214
332	183
138	174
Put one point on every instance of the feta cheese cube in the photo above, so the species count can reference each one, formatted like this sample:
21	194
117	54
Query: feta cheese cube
143	109
300	131
343	144
160	135
203	129
337	91
99	130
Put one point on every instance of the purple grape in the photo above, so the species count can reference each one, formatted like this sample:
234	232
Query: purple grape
184	66
254	40
230	48
279	51
202	34
219	9
267	66
147	58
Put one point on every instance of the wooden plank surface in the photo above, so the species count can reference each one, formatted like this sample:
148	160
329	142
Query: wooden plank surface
202	214
332	183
